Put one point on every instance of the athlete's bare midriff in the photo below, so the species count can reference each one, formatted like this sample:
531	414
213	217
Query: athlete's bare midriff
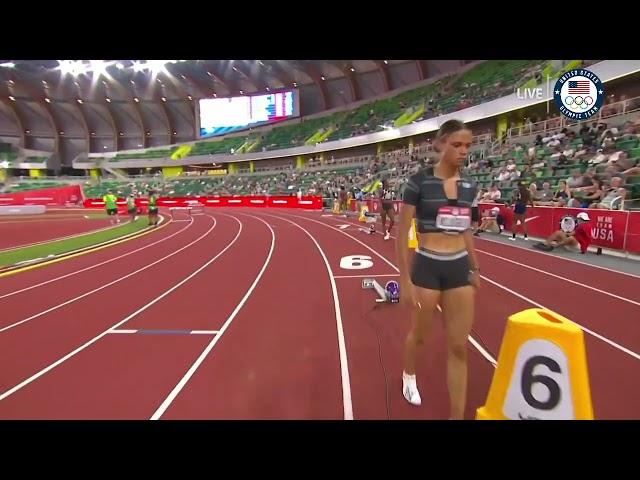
441	242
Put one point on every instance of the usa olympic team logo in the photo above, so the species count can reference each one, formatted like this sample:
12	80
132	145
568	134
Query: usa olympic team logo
568	224
579	94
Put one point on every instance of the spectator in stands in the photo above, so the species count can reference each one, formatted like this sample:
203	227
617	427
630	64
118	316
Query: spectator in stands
503	175
553	142
533	192
622	168
575	181
546	195
586	180
538	143
493	194
567	152
539	163
613	197
584	129
595	193
621	160
562	162
527	173
562	195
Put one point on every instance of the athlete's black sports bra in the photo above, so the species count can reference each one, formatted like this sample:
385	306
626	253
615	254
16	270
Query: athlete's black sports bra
426	192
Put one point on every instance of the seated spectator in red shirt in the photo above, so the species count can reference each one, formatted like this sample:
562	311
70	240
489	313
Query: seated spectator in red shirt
578	240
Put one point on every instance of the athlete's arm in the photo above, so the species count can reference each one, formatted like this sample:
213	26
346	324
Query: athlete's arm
410	200
407	212
471	250
473	259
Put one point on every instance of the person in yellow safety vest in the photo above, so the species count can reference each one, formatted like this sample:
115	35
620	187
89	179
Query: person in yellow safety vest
112	207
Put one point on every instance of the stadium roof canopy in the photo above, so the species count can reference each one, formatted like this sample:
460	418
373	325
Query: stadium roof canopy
171	80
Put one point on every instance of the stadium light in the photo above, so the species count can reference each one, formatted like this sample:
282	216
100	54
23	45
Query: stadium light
65	66
99	67
78	68
138	66
156	66
8	65
72	67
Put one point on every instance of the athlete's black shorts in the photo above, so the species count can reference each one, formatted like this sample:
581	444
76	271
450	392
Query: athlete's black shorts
520	209
153	210
112	211
440	271
475	214
131	211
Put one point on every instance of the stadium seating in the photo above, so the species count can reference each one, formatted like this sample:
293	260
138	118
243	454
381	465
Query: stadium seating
485	81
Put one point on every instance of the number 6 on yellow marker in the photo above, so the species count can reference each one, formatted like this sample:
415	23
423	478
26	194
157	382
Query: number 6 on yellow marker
542	371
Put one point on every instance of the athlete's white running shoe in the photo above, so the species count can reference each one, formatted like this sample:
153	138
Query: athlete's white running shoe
410	389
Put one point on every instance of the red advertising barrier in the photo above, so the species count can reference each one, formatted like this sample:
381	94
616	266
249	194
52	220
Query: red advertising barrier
59	196
613	229
618	230
374	205
307	202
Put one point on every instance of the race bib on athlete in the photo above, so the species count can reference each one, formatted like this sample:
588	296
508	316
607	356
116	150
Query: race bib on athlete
454	219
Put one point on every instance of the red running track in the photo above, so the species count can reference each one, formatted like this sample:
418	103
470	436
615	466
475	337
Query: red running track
257	288
614	373
20	232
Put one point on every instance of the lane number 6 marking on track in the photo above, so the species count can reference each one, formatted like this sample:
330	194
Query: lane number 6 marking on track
356	262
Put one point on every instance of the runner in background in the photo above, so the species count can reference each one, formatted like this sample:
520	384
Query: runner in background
386	210
153	208
111	206
131	208
342	198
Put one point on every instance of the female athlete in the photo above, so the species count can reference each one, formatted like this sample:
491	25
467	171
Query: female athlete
445	268
386	210
521	200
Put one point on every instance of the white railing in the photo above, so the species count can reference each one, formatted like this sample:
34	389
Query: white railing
621	107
